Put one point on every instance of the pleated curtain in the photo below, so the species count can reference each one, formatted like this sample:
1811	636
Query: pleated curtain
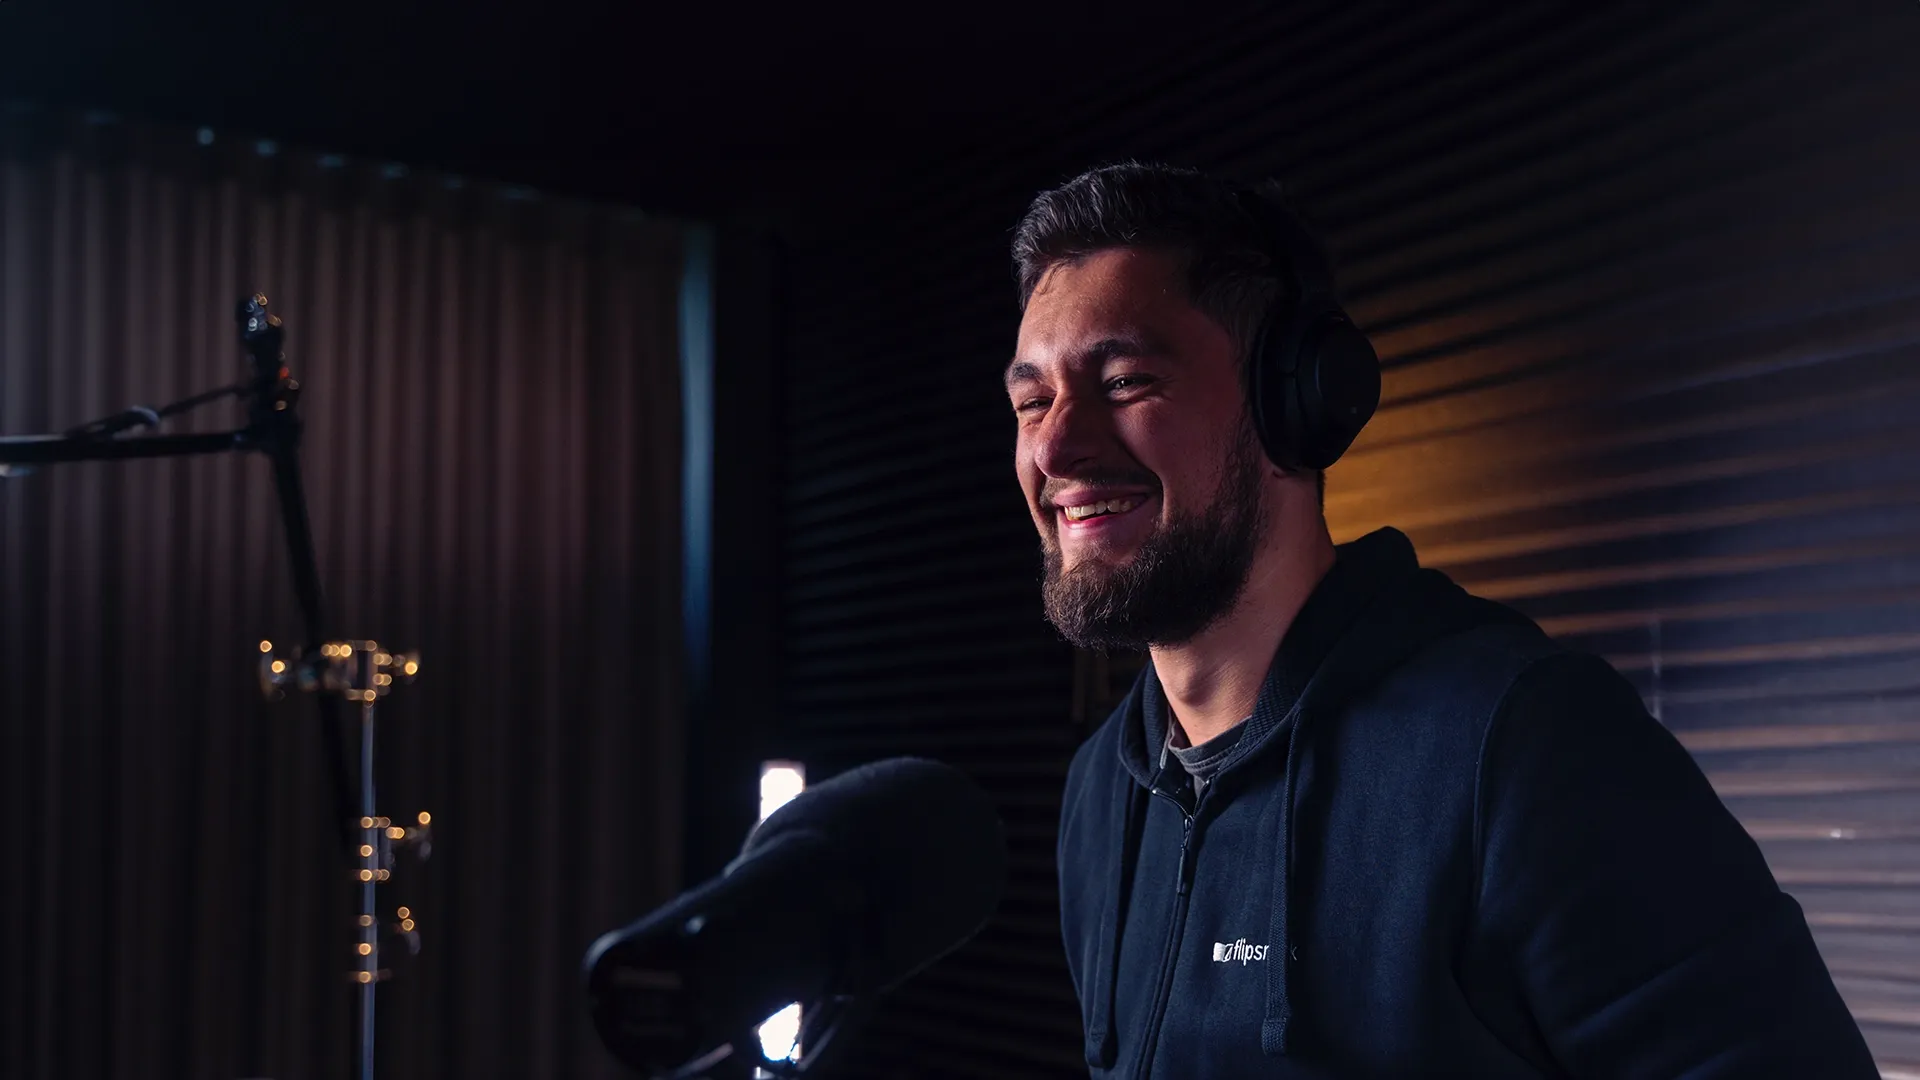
492	454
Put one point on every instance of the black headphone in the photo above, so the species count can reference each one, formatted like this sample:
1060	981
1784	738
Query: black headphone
1313	379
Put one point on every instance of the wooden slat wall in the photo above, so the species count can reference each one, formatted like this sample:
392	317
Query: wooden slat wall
1647	290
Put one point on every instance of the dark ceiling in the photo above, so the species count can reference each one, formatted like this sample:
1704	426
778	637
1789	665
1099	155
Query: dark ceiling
693	109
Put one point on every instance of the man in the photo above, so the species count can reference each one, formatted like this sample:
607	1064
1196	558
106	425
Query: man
1350	821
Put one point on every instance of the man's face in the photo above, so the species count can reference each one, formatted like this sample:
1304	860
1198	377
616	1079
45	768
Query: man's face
1141	471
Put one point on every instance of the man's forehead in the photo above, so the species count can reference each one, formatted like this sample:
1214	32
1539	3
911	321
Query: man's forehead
1138	274
1111	303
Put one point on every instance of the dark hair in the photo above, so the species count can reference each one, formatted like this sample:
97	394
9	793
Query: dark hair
1231	272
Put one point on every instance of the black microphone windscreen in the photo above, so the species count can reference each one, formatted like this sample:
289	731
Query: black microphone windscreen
844	892
927	848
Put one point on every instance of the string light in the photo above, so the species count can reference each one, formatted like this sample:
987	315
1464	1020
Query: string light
338	678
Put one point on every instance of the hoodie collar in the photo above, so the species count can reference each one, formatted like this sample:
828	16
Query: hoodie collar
1360	571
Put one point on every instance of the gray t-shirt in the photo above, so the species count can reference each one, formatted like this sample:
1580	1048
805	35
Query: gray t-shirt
1203	762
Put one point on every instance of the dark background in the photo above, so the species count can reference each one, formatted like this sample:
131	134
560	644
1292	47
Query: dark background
1643	277
697	110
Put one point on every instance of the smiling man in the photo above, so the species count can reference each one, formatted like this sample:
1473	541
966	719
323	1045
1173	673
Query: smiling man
1350	821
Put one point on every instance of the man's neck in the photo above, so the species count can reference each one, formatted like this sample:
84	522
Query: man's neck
1212	681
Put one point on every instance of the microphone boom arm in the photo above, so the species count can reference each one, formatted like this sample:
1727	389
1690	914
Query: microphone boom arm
273	427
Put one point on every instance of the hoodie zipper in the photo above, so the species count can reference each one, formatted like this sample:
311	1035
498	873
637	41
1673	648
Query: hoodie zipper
1183	885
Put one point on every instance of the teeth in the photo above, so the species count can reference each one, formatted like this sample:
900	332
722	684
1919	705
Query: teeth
1110	506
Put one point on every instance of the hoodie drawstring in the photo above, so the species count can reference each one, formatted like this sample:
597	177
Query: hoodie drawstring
1103	1047
1274	1028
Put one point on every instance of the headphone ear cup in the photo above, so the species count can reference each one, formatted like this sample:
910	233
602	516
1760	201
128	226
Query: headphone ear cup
1270	397
1337	388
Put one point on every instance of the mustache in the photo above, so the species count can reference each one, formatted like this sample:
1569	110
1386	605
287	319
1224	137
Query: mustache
1054	486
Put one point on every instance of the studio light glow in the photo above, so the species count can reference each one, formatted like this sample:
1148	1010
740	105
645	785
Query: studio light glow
780	782
780	1034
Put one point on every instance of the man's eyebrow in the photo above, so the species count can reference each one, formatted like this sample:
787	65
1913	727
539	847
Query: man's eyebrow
1020	371
1098	353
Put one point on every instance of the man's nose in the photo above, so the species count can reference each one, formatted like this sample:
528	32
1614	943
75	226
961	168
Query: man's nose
1072	434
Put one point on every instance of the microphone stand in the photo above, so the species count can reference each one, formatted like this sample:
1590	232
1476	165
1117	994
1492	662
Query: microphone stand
358	671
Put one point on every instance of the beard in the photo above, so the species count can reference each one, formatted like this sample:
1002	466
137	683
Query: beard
1185	577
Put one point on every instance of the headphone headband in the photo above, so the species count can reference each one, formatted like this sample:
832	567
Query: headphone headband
1313	379
1292	249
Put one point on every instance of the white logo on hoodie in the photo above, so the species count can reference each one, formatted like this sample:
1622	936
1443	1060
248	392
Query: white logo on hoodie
1227	953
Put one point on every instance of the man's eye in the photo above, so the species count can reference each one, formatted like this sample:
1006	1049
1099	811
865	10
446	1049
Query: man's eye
1127	382
1030	405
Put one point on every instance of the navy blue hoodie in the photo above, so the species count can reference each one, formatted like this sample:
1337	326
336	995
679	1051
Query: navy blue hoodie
1442	846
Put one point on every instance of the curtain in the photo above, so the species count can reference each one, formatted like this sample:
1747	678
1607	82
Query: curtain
492	451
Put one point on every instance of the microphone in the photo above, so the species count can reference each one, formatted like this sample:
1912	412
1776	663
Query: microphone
840	895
